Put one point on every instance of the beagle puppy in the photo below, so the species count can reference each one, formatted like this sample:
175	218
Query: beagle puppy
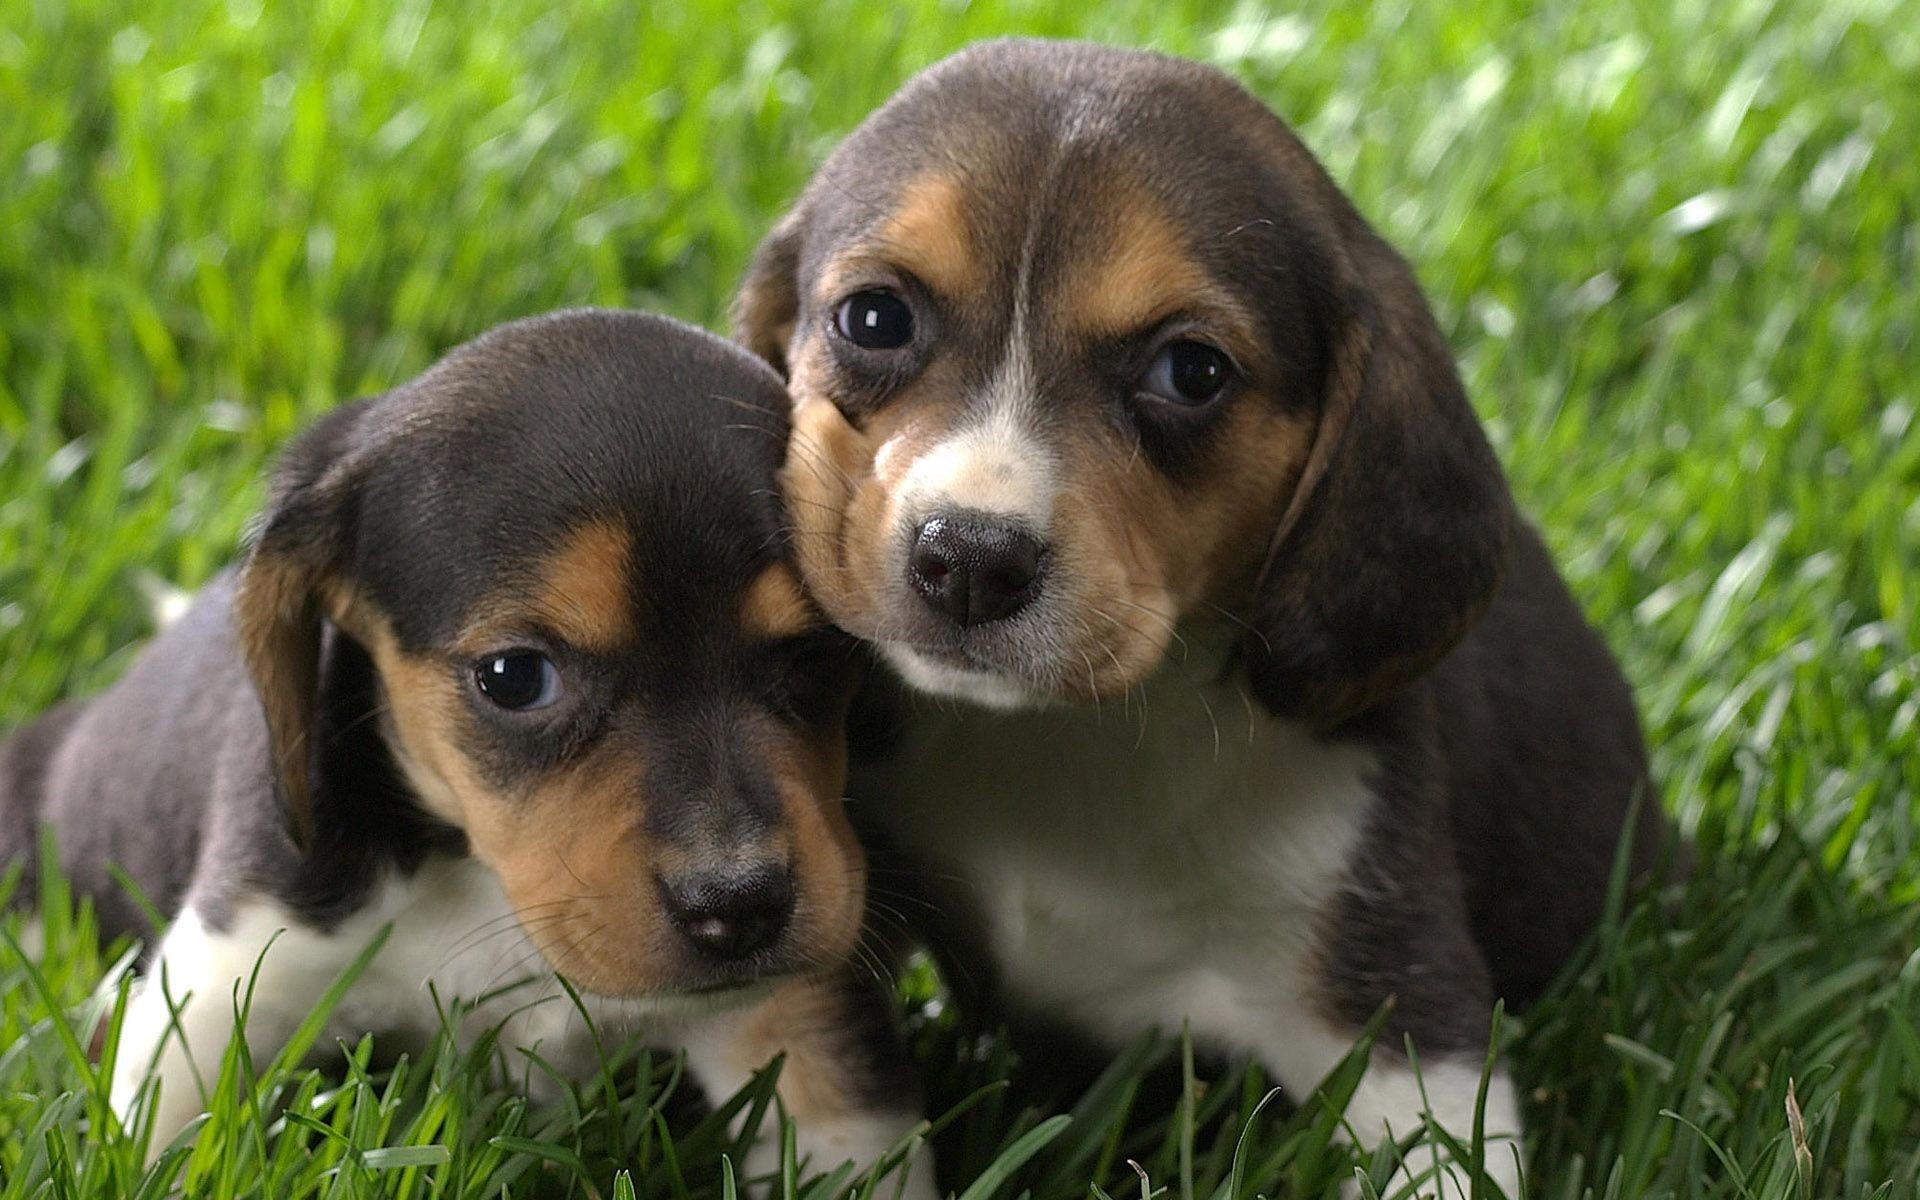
1120	432
516	670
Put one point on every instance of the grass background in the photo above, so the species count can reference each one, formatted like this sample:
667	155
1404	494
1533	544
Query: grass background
1674	244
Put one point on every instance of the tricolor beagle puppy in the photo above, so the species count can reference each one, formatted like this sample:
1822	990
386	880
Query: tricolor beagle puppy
516	665
1118	430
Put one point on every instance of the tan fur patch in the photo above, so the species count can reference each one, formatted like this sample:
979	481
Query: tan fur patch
827	463
1255	472
585	592
775	606
1189	546
1145	272
765	311
576	862
929	235
828	864
806	1021
425	713
277	612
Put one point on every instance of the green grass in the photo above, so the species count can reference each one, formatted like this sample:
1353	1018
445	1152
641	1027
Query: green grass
1675	246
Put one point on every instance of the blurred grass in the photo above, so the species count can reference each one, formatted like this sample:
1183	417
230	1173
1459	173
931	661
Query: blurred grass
1677	248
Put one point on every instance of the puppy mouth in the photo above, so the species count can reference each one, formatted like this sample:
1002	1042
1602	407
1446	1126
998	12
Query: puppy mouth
694	985
731	986
942	668
730	993
1032	660
720	983
700	1000
1051	648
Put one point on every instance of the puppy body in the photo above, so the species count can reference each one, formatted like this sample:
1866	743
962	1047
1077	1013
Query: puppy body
1180	857
516	673
1115	422
1158	867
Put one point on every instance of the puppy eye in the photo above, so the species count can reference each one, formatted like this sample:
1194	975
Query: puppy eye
518	680
1189	374
875	320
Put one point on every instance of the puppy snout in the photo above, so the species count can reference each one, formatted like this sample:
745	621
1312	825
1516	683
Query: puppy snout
975	568
728	913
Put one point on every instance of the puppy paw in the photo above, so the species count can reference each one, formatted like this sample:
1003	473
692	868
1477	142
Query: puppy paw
1430	1173
822	1146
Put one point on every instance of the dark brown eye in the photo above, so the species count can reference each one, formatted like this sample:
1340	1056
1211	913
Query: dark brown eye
1189	374
875	320
518	680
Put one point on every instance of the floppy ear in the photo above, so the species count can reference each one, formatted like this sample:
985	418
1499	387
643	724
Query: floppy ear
301	547
1395	536
767	305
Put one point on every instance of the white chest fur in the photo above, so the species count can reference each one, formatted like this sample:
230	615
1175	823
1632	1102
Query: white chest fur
1160	863
1169	863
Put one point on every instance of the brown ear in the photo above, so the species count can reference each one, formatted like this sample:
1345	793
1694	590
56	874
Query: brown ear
767	306
1395	537
278	600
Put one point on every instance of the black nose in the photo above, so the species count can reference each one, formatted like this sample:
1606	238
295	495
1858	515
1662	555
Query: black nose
975	568
730	912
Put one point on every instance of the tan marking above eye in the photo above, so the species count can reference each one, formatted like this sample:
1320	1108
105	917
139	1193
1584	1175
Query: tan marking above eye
775	606
1141	271
584	591
929	236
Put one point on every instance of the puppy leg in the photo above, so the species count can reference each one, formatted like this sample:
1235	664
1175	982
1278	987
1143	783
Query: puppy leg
1394	1101
552	1029
1401	937
181	1021
846	1081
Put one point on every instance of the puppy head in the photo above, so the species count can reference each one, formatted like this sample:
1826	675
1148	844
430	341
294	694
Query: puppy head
561	549
1085	347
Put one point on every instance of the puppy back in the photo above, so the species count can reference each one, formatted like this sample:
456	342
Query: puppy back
128	778
26	758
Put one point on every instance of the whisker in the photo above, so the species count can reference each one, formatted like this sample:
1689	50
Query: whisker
1242	622
799	440
1246	698
1104	615
1093	688
1173	627
737	402
1202	698
578	880
488	928
373	711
